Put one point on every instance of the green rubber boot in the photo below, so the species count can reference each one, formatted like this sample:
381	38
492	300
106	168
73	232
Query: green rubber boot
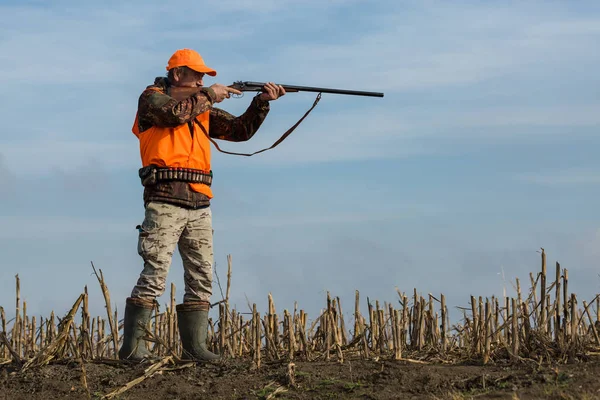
136	311
192	320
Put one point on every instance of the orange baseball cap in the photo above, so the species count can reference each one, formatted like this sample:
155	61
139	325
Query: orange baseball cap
191	59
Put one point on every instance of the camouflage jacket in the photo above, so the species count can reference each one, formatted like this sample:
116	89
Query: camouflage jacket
159	109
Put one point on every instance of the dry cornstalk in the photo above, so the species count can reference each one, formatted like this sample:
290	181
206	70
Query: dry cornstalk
384	332
32	336
257	338
112	324
507	323
8	347
229	263
269	347
405	321
301	329
372	324
147	374
573	317
99	329
91	336
24	339
475	325
381	324
161	341
357	327
338	345
592	325
526	324
291	374
291	334
409	360
519	294
496	338
421	323
85	323
344	339
534	293
487	333
57	346
444	326
395	333
548	318
84	378
52	326
365	345
515	330
222	327
557	307
480	333
566	303
327	330
3	317
172	313
243	338
16	334
543	293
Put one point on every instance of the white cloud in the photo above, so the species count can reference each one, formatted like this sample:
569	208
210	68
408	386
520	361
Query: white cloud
584	115
444	46
316	219
571	176
409	47
590	247
325	136
47	155
44	226
573	27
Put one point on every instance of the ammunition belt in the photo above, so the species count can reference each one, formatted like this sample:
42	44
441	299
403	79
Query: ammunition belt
152	174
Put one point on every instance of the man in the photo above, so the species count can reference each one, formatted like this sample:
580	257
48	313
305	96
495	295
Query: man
174	133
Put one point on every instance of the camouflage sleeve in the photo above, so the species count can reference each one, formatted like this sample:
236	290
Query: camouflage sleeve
158	109
226	126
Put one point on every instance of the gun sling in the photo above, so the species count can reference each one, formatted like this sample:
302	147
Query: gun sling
281	139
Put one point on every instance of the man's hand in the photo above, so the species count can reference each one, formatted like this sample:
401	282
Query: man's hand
223	92
271	92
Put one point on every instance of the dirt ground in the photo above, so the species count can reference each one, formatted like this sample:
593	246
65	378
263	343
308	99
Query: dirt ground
358	379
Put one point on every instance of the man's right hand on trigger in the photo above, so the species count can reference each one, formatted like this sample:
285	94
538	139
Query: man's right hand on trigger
223	92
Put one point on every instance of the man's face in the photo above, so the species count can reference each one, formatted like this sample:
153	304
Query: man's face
186	77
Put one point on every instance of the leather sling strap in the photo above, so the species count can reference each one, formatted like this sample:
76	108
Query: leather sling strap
281	139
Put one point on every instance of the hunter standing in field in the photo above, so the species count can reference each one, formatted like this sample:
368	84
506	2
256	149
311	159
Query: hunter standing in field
176	173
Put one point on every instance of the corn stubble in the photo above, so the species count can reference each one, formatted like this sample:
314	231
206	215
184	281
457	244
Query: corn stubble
546	324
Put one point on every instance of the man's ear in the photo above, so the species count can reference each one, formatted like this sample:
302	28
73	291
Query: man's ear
176	74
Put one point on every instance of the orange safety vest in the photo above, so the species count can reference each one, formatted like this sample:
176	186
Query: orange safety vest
177	147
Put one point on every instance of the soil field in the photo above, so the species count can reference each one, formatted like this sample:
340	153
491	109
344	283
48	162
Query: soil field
354	379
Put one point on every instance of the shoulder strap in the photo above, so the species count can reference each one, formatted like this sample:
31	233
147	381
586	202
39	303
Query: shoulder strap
281	139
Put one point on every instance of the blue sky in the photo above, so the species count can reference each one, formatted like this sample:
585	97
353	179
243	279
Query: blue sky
483	150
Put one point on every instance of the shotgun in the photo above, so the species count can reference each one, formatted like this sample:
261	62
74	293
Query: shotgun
180	93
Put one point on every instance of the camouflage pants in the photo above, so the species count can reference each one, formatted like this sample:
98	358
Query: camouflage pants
164	227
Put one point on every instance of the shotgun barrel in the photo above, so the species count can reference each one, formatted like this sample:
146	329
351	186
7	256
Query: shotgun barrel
249	86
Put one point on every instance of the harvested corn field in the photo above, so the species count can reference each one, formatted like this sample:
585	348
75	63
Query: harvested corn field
543	343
